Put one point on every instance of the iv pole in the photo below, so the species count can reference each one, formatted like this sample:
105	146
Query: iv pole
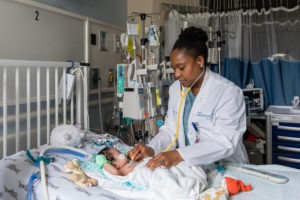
100	110
143	41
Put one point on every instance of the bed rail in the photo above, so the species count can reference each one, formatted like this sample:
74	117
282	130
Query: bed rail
32	101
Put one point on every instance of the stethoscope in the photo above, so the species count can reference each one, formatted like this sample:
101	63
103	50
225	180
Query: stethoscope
182	97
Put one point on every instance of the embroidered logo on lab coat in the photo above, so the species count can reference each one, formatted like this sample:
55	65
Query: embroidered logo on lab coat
206	116
174	112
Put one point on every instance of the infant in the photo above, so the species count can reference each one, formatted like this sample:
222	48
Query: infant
115	162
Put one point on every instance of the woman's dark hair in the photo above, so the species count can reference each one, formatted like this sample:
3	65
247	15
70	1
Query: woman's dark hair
193	41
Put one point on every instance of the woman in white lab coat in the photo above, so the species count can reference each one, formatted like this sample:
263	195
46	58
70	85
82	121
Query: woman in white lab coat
210	121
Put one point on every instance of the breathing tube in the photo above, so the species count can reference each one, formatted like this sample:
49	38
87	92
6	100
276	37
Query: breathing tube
182	95
40	162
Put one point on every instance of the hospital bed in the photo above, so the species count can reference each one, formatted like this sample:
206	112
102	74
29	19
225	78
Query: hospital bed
32	104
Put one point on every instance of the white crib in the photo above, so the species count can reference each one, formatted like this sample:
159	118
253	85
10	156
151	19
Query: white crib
32	101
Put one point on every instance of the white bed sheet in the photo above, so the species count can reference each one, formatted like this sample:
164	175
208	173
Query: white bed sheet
266	190
16	170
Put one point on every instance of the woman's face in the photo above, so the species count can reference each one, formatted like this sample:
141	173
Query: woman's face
186	68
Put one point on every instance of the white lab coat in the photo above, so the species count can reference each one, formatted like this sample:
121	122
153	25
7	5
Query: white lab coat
219	112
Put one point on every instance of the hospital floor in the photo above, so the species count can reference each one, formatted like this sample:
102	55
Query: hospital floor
255	156
254	142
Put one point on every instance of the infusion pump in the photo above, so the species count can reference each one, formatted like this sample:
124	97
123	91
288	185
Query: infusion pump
141	97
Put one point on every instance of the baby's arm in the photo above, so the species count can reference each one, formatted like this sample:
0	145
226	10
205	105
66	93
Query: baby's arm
111	169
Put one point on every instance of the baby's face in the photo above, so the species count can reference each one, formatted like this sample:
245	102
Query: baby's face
111	153
119	163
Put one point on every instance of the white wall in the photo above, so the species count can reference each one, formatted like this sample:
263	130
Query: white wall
142	6
104	60
52	37
57	35
110	11
154	6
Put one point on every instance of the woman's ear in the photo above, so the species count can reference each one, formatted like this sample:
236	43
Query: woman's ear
200	64
200	61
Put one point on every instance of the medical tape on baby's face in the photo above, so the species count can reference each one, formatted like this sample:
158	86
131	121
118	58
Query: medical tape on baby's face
121	156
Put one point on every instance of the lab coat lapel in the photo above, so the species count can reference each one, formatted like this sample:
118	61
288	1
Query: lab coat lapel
202	96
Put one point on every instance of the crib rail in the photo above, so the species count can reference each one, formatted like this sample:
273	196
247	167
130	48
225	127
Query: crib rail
32	101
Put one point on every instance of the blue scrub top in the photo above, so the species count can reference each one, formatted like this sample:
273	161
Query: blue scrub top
189	101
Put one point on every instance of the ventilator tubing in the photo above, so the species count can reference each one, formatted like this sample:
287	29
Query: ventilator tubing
56	149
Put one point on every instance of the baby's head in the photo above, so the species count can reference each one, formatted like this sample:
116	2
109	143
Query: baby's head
110	153
117	158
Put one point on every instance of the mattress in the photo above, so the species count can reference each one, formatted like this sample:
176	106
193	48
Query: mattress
264	189
16	170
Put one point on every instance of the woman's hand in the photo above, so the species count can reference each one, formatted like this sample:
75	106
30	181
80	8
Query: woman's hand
140	151
165	159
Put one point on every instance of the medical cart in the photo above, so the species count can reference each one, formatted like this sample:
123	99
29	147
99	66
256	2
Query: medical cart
283	136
